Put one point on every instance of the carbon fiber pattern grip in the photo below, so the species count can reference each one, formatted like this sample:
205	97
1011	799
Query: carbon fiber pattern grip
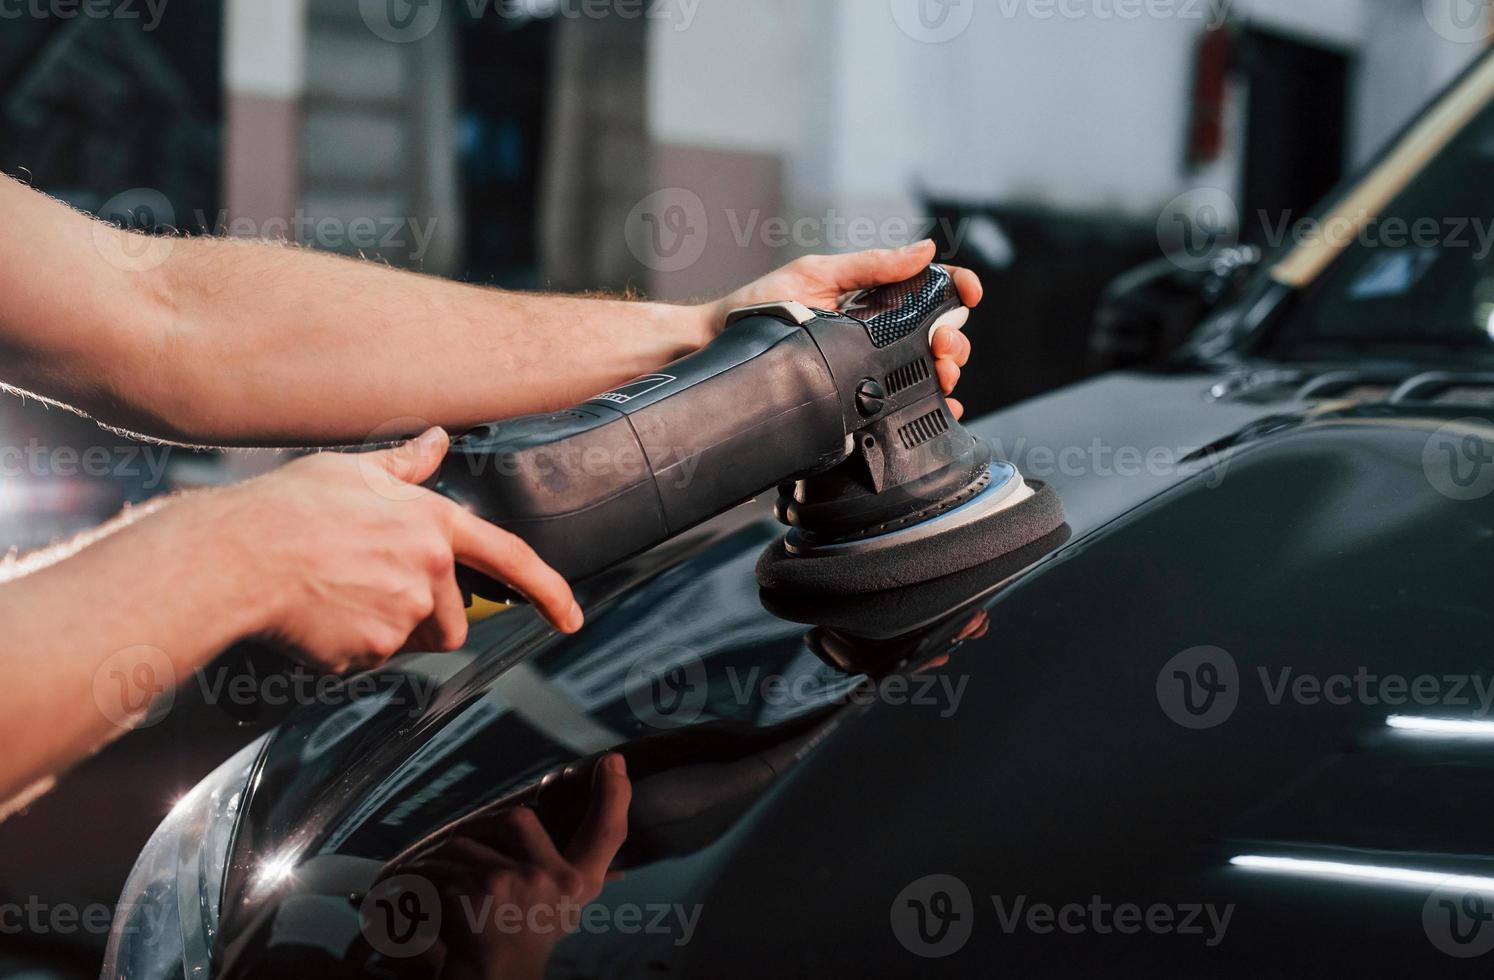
893	312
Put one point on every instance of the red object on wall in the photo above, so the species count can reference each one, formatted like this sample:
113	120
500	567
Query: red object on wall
1213	60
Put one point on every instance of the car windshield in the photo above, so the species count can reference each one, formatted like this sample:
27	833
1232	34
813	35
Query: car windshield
1418	278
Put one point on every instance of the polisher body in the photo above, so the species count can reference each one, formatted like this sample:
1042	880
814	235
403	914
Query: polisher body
842	411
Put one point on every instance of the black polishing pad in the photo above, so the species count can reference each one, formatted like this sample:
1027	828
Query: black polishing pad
920	559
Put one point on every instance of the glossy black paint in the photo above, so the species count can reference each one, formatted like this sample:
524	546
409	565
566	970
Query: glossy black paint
1043	765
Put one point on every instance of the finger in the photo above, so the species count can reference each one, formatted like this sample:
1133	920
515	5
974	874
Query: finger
497	554
950	344
955	408
970	628
470	852
968	284
949	374
448	621
605	826
529	842
879	266
415	460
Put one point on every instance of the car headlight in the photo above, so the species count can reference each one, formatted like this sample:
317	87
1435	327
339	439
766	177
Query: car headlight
168	911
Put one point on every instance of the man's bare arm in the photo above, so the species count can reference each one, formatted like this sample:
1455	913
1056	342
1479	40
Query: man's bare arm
243	343
341	558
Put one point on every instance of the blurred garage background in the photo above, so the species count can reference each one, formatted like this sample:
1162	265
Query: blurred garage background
672	149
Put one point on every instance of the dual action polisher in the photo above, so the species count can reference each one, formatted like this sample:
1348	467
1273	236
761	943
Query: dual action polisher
878	483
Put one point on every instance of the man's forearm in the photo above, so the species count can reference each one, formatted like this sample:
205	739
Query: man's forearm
91	635
274	345
245	343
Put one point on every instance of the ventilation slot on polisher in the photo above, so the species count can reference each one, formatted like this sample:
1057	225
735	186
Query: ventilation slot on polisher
907	376
921	430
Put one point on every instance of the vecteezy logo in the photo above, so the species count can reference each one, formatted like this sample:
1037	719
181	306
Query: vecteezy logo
1464	21
1195	225
135	687
933	21
667	688
148	213
1199	688
933	916
1459	460
401	916
635	389
401	21
1458	921
667	231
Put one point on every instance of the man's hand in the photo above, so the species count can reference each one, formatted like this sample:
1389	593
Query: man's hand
821	280
355	561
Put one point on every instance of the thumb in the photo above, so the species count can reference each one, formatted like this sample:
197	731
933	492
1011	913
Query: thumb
878	267
416	459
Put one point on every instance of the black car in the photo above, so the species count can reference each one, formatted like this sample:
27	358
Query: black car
1236	721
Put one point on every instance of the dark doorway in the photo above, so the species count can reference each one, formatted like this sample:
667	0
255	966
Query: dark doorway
1296	127
504	107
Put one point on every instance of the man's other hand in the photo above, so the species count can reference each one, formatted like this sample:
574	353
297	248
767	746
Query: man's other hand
353	561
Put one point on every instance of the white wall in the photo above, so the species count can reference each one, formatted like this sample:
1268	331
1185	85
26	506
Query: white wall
725	74
1026	104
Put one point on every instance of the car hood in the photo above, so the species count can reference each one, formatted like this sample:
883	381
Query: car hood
1195	709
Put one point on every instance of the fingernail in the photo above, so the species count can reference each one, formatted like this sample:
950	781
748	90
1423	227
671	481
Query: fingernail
432	437
918	246
615	764
574	619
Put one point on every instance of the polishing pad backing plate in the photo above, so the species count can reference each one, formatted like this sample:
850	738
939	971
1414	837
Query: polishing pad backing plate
1005	488
952	542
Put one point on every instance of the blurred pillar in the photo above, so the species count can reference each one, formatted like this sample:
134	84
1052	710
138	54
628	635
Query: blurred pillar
597	160
264	75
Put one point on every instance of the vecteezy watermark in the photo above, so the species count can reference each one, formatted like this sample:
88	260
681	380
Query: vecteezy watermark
569	916
401	916
1212	13
834	230
1392	232
1195	225
404	21
1459	920
940	691
668	230
149	11
935	916
1458	459
668	687
1463	21
146	212
135	687
1201	920
35	916
933	21
128	462
1201	688
231	687
1101	459
676	465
